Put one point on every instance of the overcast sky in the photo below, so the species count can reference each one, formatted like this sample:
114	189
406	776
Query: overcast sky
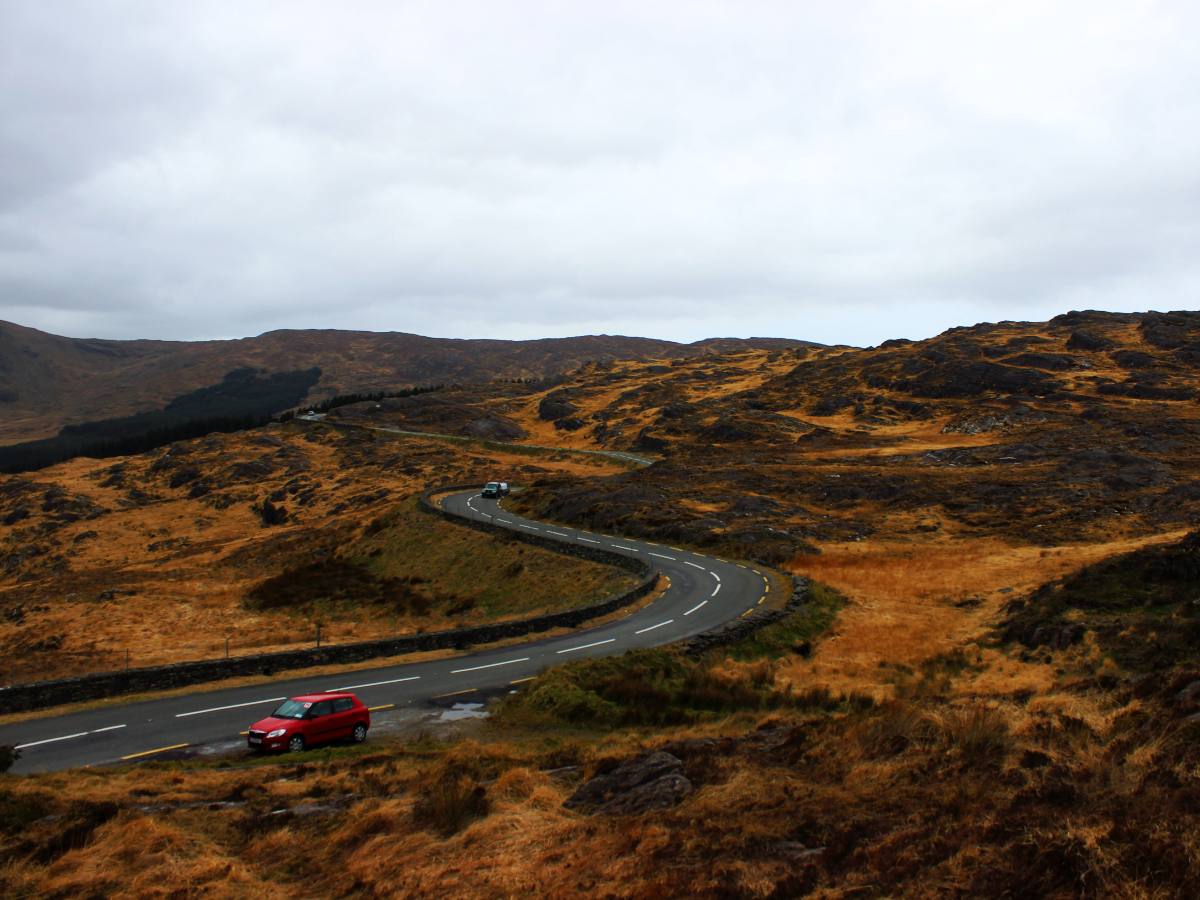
840	172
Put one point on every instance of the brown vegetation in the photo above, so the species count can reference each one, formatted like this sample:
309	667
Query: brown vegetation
1007	703
166	555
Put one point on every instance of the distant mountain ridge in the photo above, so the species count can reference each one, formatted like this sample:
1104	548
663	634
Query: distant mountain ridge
48	381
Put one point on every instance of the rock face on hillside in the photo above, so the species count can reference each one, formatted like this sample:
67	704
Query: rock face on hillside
556	405
652	781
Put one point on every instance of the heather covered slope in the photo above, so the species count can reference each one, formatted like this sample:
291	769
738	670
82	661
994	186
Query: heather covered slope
47	381
256	537
995	691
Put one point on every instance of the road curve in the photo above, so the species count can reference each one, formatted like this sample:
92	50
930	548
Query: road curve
704	592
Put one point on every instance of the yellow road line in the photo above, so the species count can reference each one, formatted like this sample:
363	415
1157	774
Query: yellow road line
377	708
761	599
243	733
520	680
768	587
456	693
156	750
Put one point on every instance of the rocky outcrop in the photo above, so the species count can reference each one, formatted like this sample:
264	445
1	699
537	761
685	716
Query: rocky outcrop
556	405
648	782
1055	637
646	440
969	379
1082	339
984	421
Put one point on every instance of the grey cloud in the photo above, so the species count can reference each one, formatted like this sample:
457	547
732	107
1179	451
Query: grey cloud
197	170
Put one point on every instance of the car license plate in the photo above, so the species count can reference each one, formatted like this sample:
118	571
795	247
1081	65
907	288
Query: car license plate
255	740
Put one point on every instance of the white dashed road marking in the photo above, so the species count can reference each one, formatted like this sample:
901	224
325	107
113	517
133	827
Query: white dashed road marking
507	662
585	646
696	607
715	590
200	712
662	556
65	737
692	564
652	627
619	547
351	687
558	533
589	540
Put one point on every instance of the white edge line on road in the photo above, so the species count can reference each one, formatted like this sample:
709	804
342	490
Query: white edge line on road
507	662
619	547
65	737
197	712
351	687
662	556
585	646
692	564
652	627
109	728
696	607
717	588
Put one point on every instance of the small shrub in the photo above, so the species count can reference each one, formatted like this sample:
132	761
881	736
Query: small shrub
980	735
8	756
449	803
459	605
895	727
816	698
19	811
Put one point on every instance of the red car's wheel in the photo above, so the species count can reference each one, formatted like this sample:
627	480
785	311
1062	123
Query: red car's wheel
296	743
360	733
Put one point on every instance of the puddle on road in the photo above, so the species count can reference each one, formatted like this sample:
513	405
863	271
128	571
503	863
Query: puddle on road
463	711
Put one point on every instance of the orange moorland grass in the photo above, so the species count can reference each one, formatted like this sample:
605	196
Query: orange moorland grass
903	792
165	580
907	604
755	366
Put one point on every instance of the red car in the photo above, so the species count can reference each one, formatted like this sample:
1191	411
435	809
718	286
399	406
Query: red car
311	719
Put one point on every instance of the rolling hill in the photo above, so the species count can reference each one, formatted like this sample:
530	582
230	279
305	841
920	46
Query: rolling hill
48	381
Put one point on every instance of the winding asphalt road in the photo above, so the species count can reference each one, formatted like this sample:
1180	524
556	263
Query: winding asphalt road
704	592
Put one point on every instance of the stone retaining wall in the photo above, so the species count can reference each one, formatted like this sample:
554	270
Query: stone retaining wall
155	678
595	554
734	631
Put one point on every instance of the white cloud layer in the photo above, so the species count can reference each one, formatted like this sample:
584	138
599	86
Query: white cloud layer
843	172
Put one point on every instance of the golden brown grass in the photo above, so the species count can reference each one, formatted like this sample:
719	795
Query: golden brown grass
975	798
910	601
180	569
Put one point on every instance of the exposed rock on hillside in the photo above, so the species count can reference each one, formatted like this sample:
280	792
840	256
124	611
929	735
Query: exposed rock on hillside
652	781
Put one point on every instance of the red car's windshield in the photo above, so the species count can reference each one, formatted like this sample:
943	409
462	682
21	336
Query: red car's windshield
292	709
